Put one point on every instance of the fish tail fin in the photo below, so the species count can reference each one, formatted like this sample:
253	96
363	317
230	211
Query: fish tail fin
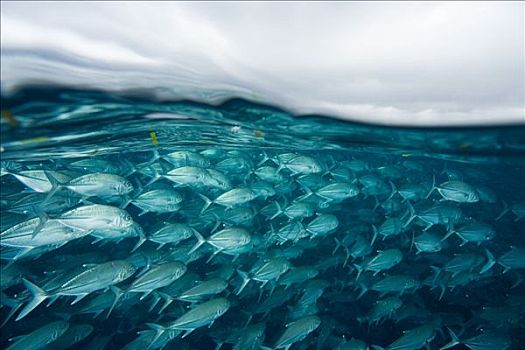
159	332
455	340
363	291
359	269
156	176
491	261
142	239
279	211
308	191
207	202
42	219
393	190
412	213
168	299
245	280
200	241
39	295
437	272
338	244
127	167
449	233
55	186
118	293
374	237
155	156
155	300
264	160
125	202
433	188
15	306
504	211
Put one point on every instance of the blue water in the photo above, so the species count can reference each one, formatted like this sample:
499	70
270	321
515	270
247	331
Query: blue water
50	129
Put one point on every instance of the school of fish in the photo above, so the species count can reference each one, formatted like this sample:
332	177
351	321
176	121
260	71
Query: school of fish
249	249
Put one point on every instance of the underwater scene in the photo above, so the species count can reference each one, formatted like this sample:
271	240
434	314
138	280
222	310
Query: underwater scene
129	223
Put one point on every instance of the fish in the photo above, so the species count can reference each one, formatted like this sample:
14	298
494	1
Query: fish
41	337
95	184
476	232
157	276
413	339
296	331
161	200
456	191
202	290
231	241
80	285
203	314
384	260
269	271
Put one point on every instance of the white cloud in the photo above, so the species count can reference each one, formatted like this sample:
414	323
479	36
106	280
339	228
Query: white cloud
401	63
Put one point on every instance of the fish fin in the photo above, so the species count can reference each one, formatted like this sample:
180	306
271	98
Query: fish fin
433	188
42	219
79	297
39	295
359	269
156	176
200	241
168	300
279	211
142	239
13	310
363	291
188	331
412	214
264	160
449	233
337	245
55	186
374	237
52	300
156	156
455	341
308	191
207	202
394	190
20	253
125	202
377	347
245	280
156	298
504	211
491	261
214	254
118	293
145	295
159	332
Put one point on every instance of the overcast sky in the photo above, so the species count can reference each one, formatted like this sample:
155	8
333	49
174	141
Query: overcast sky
430	63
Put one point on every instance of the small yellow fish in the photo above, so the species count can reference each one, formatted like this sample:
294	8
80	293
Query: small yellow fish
153	137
